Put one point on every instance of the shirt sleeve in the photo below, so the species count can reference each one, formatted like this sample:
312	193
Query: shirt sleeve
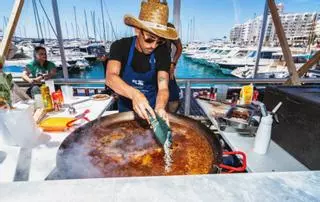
116	51
28	68
163	58
51	66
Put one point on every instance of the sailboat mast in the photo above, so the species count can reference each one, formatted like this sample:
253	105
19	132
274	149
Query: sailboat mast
4	24
103	23
49	32
38	18
94	24
86	22
65	23
188	36
194	28
73	32
25	32
44	28
75	20
107	31
35	17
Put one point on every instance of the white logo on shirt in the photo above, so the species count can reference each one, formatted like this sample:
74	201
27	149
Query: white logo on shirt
138	82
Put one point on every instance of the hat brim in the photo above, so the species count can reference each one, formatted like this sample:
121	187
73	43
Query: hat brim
169	33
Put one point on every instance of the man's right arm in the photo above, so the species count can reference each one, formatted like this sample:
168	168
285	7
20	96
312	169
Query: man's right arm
114	81
139	101
26	76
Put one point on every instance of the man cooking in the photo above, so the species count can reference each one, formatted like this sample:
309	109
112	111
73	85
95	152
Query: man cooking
138	67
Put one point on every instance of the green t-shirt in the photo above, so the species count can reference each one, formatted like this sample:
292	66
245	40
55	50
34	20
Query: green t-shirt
35	68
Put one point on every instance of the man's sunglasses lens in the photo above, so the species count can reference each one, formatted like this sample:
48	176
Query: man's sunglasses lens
160	42
150	40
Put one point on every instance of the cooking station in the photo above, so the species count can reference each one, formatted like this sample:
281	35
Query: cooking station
276	159
31	174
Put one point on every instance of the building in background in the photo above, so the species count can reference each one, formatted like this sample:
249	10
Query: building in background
301	29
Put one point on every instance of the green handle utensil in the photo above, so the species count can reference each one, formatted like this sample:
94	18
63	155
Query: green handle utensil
161	129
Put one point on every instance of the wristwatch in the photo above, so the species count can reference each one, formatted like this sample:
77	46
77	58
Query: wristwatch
174	63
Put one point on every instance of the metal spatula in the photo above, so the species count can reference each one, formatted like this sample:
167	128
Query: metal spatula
161	129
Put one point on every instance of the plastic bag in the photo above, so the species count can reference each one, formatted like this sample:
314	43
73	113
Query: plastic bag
19	127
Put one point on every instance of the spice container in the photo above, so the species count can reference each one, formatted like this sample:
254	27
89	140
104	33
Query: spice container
46	98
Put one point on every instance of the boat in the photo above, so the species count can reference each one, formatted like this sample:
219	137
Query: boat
273	172
276	69
229	53
249	59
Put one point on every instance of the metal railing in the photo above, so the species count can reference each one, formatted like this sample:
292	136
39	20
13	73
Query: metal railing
188	84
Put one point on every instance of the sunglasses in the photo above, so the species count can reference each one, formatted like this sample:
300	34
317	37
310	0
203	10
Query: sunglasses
151	40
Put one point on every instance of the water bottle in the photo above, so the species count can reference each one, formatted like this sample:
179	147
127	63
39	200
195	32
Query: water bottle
263	136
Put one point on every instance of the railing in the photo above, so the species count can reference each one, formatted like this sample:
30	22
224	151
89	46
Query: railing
188	82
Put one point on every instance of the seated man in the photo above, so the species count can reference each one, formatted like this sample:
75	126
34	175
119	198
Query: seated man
39	69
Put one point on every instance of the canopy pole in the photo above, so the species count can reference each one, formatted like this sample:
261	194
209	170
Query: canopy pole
176	15
11	27
263	30
294	78
305	68
59	37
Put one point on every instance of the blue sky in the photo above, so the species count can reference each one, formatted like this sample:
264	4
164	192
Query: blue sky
213	18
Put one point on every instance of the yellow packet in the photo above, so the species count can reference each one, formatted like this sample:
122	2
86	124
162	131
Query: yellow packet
55	123
246	94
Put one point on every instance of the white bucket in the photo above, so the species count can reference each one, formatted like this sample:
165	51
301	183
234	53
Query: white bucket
18	127
67	93
222	91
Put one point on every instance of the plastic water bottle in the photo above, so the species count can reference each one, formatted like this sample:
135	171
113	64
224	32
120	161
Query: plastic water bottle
263	136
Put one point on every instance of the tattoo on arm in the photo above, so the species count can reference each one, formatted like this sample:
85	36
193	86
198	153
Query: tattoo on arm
161	79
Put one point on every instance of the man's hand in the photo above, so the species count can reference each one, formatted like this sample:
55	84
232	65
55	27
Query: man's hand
172	71
163	114
38	79
46	76
141	105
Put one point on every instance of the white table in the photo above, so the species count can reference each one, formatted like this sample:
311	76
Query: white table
41	160
266	187
275	160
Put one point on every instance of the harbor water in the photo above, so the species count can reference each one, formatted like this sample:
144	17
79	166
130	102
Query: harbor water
186	68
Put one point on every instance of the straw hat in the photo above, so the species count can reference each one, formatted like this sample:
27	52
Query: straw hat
153	18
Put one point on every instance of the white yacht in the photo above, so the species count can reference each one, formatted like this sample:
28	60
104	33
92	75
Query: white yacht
191	53
229	64
277	68
228	53
202	56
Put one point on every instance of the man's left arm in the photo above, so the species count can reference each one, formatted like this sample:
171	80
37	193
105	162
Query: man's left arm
163	94
177	43
52	72
178	52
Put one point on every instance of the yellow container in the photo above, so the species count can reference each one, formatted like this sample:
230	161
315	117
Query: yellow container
46	98
246	94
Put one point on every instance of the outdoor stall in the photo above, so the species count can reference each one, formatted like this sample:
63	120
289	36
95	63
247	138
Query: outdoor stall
61	147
